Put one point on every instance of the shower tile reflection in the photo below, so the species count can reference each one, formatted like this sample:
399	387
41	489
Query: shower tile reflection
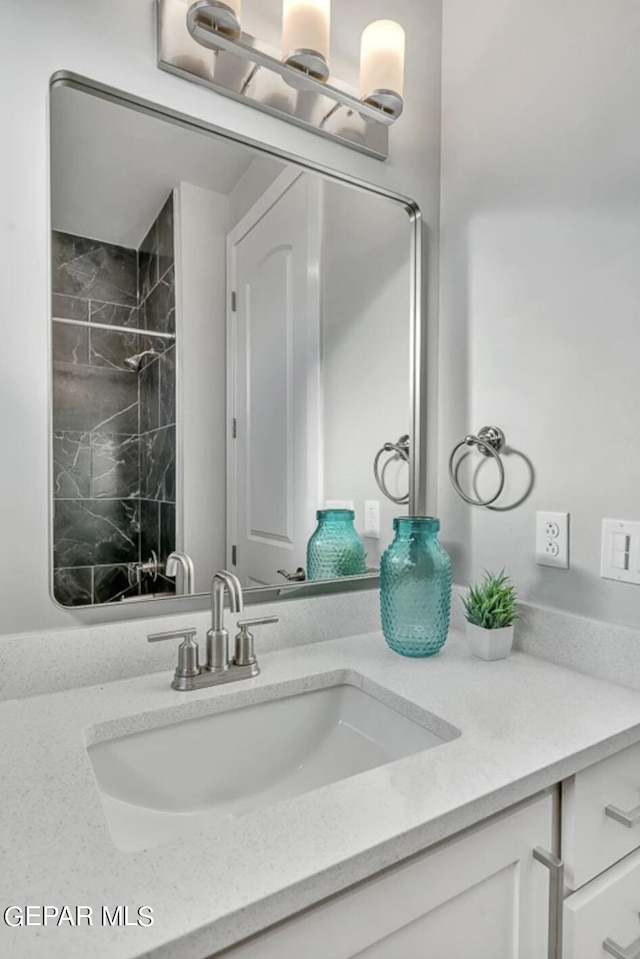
93	532
113	465
71	465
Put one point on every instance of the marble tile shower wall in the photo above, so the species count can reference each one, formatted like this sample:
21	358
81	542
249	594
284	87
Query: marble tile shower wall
157	397
113	426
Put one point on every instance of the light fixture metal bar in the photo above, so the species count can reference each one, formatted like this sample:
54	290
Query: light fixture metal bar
254	50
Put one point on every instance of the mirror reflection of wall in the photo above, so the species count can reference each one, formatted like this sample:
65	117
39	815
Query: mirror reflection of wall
231	346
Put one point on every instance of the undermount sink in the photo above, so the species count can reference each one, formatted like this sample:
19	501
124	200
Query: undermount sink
162	783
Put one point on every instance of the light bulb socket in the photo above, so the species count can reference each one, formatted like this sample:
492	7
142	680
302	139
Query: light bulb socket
308	63
386	100
217	15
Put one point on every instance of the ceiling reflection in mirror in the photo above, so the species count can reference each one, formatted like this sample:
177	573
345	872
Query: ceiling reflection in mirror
231	348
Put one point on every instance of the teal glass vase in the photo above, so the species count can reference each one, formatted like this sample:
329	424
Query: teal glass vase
415	588
335	549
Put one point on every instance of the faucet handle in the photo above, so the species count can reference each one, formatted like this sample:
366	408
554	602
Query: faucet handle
172	634
244	655
188	652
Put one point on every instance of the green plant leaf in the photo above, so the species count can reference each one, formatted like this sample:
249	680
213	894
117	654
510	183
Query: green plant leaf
492	603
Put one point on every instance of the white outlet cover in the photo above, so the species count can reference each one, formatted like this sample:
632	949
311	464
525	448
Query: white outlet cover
552	539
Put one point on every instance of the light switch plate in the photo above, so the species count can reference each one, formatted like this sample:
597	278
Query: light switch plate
620	555
372	519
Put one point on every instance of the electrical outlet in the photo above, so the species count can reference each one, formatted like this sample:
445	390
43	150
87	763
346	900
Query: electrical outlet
552	540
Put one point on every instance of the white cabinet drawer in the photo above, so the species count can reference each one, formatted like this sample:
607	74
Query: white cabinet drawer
591	841
607	908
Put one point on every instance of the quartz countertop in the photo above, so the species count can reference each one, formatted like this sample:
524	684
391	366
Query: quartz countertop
525	724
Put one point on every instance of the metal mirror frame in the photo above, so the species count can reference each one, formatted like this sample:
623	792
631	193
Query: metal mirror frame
417	379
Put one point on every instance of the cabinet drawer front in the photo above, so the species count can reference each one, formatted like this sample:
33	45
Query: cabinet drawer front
482	896
606	908
591	840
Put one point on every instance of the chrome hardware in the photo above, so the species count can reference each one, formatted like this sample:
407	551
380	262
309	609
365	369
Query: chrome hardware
362	125
184	561
113	328
217	636
223	19
631	952
556	892
138	570
188	654
244	653
490	441
402	450
629	819
298	577
217	668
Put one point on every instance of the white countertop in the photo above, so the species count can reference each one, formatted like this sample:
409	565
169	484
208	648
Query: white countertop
525	724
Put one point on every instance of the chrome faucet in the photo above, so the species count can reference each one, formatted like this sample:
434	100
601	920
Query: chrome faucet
218	668
184	561
217	636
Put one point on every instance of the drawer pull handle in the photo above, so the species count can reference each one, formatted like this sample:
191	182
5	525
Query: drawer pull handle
628	819
631	952
556	892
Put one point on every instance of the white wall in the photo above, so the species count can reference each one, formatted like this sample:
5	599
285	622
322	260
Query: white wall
366	357
114	43
201	320
257	178
540	279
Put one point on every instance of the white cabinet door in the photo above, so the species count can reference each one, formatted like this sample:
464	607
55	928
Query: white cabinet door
482	896
606	908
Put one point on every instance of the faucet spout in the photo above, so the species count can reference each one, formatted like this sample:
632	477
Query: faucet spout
223	579
217	636
177	560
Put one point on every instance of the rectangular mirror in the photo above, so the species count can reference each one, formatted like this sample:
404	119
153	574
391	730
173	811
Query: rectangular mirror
235	337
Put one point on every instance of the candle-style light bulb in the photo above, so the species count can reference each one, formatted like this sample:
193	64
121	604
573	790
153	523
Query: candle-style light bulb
306	28
382	66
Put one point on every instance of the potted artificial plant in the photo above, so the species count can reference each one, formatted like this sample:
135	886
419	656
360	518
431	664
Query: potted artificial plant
491	609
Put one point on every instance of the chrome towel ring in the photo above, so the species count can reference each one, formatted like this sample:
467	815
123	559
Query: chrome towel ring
490	441
400	449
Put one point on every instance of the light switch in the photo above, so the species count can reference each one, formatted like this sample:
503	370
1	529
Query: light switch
372	519
620	556
619	559
620	542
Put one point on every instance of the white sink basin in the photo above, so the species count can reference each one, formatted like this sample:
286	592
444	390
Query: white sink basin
162	783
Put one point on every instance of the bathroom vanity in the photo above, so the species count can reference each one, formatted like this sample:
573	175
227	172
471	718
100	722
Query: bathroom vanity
346	802
447	834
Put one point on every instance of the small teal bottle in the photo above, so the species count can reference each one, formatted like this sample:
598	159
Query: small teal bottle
415	588
335	549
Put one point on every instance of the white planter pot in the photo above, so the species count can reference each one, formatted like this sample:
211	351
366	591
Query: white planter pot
490	644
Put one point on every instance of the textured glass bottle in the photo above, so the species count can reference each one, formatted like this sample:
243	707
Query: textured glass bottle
335	549
415	588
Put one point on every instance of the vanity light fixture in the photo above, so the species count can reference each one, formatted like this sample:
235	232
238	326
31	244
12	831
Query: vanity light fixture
293	83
